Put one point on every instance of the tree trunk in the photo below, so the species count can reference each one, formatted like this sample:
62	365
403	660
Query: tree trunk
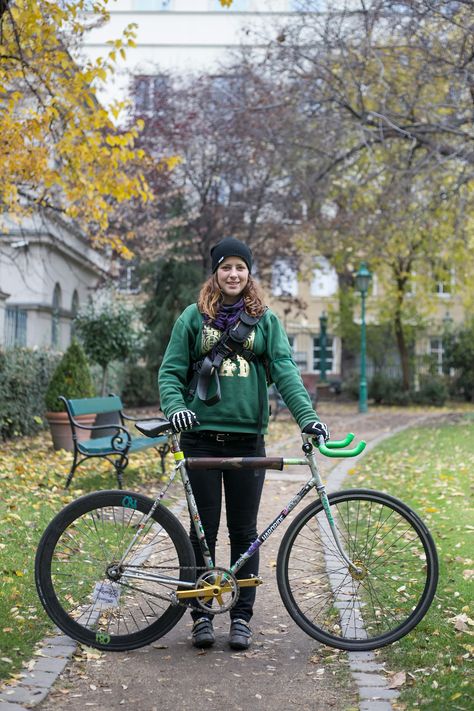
348	351
103	386
402	345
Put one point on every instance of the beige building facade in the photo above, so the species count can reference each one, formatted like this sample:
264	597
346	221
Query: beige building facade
443	310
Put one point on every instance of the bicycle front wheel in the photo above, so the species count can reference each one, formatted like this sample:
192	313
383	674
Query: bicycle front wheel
95	597
395	581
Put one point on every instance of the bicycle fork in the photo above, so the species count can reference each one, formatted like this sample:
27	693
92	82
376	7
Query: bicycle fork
317	483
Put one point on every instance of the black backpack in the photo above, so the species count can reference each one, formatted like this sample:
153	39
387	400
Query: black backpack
206	370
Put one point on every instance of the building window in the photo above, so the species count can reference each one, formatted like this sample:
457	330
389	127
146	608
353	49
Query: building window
284	278
301	5
152	5
149	92
74	311
237	6
324	282
443	287
443	279
128	279
436	352
329	354
226	87
15	326
55	316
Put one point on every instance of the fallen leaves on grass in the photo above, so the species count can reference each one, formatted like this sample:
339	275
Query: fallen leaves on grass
462	622
396	680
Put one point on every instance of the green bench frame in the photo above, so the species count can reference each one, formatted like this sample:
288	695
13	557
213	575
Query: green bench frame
116	447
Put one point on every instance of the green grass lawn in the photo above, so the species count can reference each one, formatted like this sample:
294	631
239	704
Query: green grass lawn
32	478
431	469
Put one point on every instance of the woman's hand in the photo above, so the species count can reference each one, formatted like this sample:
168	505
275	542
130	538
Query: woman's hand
317	429
183	420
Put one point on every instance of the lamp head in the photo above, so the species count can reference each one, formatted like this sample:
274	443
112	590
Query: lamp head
362	279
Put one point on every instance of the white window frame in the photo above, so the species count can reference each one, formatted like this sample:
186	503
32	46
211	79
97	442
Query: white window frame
75	306
284	278
56	316
437	353
325	272
440	290
127	278
152	5
16	326
237	6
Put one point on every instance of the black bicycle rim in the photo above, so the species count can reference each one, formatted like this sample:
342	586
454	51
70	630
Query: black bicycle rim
74	559
398	568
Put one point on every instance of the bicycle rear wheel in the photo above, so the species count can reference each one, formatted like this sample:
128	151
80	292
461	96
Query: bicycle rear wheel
84	591
396	557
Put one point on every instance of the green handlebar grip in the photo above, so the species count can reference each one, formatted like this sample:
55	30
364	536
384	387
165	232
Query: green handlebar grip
343	453
338	443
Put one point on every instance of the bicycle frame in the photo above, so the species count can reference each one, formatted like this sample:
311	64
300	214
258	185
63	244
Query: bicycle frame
218	463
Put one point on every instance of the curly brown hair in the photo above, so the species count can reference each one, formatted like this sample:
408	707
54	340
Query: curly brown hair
210	298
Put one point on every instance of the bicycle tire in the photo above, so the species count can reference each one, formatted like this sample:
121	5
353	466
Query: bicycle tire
74	555
388	540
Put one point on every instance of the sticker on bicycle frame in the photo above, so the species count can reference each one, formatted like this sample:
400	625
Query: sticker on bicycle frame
102	638
129	502
327	508
272	528
107	594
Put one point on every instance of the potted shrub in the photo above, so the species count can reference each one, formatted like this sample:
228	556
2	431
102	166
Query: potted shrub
72	379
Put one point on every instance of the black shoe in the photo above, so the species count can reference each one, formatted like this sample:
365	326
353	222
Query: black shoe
203	633
240	636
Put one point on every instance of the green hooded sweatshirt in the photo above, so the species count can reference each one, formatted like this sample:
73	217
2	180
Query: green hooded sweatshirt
240	381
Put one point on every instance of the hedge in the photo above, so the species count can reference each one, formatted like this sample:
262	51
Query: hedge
24	377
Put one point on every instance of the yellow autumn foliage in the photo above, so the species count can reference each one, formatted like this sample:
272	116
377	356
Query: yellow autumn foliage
60	148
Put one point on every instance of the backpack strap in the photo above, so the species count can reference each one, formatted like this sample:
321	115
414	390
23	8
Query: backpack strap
230	344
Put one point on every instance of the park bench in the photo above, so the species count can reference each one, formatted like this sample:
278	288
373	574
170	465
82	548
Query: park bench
116	443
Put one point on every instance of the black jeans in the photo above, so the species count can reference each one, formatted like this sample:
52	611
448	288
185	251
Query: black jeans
243	490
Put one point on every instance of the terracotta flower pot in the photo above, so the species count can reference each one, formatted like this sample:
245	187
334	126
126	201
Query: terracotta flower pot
61	429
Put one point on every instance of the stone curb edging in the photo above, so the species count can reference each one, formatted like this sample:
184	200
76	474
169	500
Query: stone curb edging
374	693
53	656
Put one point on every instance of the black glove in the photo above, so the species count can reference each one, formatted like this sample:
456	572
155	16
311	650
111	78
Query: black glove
183	420
317	429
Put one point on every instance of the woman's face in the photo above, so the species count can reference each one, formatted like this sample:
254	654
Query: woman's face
232	277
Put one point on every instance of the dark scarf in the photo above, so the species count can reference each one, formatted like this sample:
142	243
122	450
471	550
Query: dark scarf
228	315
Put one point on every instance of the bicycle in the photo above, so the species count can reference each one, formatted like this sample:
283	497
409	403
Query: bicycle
356	569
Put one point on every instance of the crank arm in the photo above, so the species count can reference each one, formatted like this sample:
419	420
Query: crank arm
209	591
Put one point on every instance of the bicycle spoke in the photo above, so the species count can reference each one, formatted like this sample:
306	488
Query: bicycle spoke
383	594
85	580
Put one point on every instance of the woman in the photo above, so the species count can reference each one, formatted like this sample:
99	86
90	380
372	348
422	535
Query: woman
234	423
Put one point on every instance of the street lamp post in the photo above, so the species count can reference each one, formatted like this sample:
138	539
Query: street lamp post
362	281
323	322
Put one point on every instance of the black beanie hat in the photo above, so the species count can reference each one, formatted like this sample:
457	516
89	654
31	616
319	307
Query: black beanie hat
230	247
